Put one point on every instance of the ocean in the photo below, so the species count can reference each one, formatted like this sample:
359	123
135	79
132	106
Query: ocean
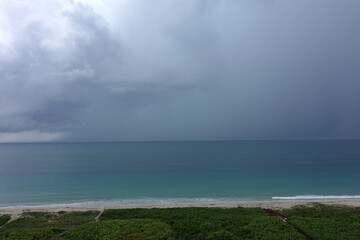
56	174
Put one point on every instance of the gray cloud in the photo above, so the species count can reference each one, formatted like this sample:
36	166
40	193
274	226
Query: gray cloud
178	70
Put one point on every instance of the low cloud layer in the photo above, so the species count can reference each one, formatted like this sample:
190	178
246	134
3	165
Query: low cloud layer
178	70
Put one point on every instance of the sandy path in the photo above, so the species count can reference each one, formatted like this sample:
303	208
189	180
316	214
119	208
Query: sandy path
98	216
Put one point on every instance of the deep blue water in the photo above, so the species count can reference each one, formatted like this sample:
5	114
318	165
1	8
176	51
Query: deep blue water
144	172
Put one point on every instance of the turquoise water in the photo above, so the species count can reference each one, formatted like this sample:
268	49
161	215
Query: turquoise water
159	172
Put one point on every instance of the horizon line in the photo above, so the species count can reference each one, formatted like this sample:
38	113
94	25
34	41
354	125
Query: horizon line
196	140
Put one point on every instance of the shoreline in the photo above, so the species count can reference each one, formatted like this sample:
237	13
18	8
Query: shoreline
272	204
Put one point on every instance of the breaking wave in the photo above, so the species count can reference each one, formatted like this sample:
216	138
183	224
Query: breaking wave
305	197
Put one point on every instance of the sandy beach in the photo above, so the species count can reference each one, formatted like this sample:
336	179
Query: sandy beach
273	204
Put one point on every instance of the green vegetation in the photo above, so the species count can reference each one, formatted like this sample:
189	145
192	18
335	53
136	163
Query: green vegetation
272	228
328	222
317	221
136	229
43	225
29	233
4	219
51	220
212	223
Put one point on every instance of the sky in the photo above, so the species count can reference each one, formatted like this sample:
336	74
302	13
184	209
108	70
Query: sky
140	70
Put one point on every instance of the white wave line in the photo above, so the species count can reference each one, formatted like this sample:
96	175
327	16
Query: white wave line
305	197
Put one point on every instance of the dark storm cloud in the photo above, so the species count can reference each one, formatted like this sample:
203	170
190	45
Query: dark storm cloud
177	70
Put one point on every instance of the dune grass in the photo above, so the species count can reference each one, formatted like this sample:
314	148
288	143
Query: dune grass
51	220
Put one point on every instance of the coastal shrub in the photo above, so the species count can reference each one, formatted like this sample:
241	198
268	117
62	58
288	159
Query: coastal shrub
330	222
272	228
318	221
192	223
329	228
4	219
319	210
221	235
213	223
29	233
136	229
54	220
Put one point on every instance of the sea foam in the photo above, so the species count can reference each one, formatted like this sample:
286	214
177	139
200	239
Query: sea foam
305	197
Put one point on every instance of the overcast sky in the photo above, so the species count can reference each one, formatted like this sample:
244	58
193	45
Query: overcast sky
128	70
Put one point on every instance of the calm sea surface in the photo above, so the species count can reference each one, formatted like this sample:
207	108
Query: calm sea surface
162	172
